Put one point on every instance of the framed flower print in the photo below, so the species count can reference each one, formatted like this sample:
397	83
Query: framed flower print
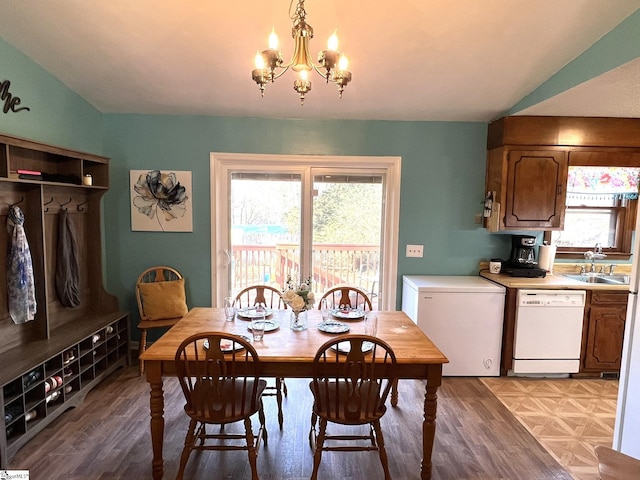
161	201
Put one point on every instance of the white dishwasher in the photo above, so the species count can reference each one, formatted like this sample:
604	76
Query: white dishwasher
548	332
463	316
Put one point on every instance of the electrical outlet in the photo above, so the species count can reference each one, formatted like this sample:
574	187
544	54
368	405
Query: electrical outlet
415	250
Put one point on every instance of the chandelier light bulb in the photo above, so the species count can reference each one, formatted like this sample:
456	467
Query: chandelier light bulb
343	64
273	40
332	44
302	85
259	60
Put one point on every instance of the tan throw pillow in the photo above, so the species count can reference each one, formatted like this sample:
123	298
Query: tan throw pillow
162	300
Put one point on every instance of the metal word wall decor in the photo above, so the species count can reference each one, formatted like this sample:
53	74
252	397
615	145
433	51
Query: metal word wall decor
10	102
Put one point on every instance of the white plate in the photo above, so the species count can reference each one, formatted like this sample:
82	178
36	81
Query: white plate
332	326
227	346
269	326
253	312
348	314
345	347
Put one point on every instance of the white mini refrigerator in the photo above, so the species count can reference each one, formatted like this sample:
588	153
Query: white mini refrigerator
463	317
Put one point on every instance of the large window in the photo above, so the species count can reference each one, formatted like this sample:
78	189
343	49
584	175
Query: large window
600	210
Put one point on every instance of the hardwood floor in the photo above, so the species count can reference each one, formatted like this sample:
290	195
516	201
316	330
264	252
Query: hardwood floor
107	437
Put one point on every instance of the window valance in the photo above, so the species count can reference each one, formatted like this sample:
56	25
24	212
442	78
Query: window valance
619	182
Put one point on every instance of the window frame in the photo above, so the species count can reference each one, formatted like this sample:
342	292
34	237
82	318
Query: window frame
624	234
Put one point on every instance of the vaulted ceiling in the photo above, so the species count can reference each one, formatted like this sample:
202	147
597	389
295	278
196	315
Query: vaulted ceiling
463	60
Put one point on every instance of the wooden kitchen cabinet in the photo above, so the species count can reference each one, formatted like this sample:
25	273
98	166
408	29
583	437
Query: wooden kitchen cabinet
603	332
530	187
528	158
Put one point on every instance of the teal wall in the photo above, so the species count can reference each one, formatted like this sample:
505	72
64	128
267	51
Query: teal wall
443	167
57	115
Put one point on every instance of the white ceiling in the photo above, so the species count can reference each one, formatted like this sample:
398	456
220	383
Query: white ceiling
462	60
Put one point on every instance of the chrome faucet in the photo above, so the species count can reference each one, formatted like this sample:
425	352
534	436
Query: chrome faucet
595	255
598	249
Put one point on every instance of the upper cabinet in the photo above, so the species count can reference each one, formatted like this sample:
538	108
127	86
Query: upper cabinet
528	160
529	186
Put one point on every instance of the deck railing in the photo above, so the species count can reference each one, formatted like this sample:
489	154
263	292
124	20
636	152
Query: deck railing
333	264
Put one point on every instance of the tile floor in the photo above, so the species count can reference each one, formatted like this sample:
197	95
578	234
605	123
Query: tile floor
569	417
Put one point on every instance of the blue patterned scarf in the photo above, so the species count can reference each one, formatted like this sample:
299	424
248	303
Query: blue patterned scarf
21	290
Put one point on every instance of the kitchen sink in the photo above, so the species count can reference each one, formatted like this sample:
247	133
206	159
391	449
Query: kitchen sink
601	278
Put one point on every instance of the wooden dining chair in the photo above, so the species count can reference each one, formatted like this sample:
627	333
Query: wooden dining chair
264	295
347	296
353	297
614	465
351	389
268	297
161	301
219	376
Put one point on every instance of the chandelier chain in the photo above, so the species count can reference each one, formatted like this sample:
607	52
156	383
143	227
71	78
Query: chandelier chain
300	12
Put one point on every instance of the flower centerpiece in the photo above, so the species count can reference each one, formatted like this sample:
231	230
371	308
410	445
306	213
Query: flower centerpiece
300	298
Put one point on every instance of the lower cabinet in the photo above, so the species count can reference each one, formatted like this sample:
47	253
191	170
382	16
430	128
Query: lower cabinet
35	398
603	332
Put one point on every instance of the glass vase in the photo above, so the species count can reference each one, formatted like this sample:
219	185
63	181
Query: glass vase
298	320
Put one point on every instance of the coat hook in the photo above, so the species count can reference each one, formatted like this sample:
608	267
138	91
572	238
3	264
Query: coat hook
80	207
14	204
66	203
47	203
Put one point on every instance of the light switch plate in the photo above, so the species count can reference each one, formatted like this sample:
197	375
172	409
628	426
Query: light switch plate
415	251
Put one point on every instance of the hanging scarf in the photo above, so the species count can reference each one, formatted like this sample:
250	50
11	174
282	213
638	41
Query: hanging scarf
21	292
67	268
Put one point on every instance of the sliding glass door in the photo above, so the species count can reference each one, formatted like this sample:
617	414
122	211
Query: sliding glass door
301	217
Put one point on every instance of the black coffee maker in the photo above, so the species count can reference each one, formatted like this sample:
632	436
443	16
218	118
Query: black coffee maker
523	252
522	261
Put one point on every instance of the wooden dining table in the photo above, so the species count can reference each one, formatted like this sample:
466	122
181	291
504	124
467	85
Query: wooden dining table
286	353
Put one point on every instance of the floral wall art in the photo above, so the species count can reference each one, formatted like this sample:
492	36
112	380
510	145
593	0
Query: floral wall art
161	201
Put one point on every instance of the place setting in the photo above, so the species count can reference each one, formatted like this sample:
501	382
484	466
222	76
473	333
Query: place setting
333	326
259	323
348	313
330	325
250	313
345	347
228	346
370	328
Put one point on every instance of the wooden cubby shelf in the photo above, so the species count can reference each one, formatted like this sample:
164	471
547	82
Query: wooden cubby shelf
51	363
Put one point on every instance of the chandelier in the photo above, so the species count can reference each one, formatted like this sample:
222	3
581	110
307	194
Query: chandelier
332	65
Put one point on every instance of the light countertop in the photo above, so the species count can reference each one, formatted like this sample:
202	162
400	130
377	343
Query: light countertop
550	282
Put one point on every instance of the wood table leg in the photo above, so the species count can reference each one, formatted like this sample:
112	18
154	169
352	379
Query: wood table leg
434	379
156	404
394	393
